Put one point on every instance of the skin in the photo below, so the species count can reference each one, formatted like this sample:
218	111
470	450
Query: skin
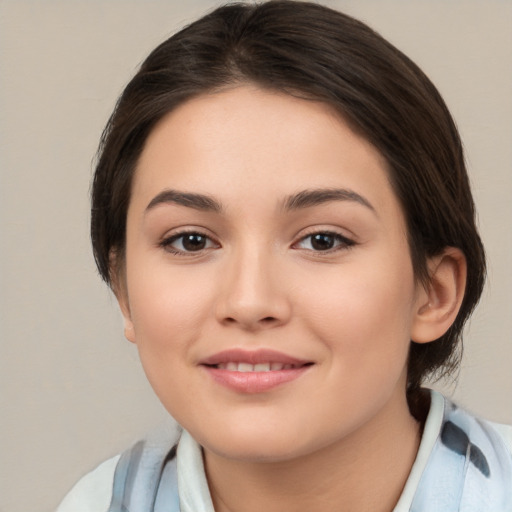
329	436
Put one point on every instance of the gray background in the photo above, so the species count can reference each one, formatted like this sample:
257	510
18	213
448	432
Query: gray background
72	391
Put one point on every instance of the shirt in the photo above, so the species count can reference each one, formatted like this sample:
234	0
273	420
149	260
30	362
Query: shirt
453	465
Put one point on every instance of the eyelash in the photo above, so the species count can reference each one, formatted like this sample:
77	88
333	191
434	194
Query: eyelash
343	242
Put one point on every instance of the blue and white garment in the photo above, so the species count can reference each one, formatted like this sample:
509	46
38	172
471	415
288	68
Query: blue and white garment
464	464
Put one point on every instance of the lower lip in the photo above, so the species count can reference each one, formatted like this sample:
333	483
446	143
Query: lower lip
254	382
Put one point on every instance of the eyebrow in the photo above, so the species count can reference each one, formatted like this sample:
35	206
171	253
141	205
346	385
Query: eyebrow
300	200
315	197
188	199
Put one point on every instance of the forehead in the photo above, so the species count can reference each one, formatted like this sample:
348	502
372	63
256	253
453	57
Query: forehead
248	142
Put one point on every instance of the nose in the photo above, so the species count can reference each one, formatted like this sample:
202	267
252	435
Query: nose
253	293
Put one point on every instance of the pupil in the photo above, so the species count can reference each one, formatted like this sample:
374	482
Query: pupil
194	242
322	242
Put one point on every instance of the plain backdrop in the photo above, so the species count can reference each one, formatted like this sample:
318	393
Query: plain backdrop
72	390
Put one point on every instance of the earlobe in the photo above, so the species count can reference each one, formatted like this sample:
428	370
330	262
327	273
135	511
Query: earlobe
122	300
439	301
129	333
118	285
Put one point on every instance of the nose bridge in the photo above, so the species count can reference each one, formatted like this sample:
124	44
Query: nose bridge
253	296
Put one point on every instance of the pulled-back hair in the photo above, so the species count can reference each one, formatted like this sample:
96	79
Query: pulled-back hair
316	53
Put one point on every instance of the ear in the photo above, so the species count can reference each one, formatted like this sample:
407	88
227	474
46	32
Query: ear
439	300
118	285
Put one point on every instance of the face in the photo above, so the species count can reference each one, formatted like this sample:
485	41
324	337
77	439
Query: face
268	281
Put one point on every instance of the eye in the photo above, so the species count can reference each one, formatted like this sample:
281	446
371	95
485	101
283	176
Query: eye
183	243
324	241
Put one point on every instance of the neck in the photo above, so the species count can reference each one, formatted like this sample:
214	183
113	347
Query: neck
365	471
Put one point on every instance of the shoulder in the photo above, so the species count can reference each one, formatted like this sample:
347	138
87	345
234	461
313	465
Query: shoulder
495	436
468	462
505	433
483	440
473	458
93	492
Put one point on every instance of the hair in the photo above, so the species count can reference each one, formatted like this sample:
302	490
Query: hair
313	52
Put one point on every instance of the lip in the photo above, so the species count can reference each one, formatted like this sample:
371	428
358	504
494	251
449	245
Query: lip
254	381
259	356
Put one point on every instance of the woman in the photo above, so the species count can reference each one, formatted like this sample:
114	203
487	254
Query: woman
282	209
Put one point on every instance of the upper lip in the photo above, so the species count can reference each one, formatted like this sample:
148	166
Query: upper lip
236	355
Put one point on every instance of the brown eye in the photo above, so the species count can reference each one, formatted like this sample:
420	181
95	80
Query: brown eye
183	243
324	241
193	242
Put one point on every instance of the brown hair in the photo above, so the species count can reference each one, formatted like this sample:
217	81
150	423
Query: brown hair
310	51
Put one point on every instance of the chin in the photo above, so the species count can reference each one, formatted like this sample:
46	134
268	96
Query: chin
266	452
254	443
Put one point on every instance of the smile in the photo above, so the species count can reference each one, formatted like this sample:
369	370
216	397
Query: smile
260	367
257	371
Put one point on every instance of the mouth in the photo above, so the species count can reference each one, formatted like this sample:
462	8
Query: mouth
259	367
254	371
259	360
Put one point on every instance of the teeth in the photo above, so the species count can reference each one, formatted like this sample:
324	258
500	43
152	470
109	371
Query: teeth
260	367
245	367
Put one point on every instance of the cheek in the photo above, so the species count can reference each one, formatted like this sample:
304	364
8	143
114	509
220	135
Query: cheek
364	315
168	307
168	311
